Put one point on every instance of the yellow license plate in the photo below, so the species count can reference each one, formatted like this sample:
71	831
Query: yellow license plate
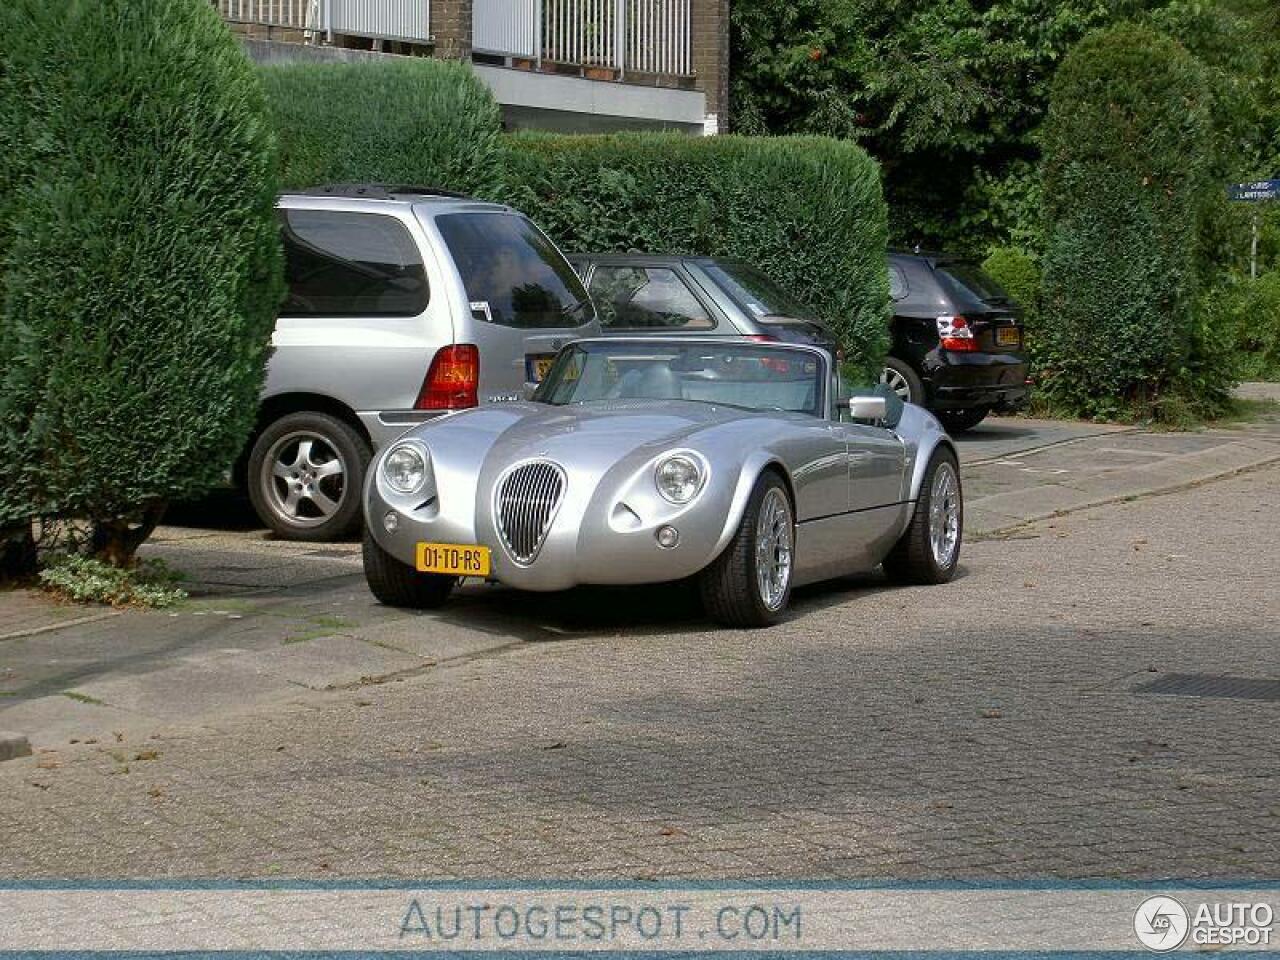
454	559
1008	336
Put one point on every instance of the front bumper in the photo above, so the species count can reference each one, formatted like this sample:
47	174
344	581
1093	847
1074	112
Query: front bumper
596	537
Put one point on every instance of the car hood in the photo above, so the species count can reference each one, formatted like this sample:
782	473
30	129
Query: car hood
581	434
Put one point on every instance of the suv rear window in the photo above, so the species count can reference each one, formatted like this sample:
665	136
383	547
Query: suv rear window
508	263
971	280
350	265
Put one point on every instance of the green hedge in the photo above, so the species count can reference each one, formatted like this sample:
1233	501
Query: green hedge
141	274
807	210
411	121
1127	144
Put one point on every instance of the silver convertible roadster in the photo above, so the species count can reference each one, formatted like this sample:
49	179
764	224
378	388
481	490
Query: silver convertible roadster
652	460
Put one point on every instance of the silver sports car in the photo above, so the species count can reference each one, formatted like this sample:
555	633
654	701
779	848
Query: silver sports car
651	460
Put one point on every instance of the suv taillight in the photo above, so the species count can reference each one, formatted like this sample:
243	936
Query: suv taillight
956	335
453	381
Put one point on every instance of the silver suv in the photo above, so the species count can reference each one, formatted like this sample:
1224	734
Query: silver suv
403	305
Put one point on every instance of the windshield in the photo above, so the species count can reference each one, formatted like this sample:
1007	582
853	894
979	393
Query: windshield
509	264
756	293
751	376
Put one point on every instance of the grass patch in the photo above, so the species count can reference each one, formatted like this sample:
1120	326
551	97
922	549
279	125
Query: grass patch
1244	411
83	698
80	579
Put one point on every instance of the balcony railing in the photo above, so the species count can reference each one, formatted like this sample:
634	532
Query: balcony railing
641	36
407	20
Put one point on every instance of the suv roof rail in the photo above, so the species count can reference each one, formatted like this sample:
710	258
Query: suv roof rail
377	191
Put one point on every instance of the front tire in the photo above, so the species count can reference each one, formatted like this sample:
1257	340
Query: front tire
396	584
929	551
749	584
305	476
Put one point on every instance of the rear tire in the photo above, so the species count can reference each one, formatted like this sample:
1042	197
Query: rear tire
305	477
734	590
396	584
922	555
902	380
958	421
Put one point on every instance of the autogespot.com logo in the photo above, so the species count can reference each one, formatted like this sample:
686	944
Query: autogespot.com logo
1161	923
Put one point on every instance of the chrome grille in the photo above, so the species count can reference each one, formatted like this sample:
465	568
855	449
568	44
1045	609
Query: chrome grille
527	502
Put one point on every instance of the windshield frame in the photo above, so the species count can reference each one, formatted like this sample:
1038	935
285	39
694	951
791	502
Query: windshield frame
823	400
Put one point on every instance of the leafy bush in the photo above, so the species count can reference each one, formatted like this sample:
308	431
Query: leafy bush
141	276
1127	146
806	210
1250	310
86	580
411	121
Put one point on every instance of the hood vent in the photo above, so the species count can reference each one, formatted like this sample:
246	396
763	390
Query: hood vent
527	501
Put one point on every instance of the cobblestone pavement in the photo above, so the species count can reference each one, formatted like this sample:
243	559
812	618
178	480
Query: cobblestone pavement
987	728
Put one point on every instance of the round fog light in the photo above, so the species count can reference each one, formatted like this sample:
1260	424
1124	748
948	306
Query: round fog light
391	522
668	537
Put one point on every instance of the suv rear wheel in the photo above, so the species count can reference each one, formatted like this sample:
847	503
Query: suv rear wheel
305	475
903	381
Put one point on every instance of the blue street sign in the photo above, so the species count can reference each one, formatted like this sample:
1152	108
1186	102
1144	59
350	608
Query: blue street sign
1254	192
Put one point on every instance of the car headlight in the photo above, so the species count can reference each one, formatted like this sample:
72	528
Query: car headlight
405	469
679	478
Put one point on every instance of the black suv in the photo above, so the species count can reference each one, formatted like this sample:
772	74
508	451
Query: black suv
957	340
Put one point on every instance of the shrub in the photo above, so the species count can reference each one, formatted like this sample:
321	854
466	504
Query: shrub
413	121
1127	148
1250	310
807	210
85	580
142	273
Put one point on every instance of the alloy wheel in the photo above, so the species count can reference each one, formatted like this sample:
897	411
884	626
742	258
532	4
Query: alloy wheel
773	549
304	479
896	382
944	515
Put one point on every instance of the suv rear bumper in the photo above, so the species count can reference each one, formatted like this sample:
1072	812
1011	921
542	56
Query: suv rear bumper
955	381
383	426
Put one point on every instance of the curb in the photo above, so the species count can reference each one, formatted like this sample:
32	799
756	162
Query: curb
13	746
1017	523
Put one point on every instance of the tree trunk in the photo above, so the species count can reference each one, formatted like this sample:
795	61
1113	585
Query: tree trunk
115	541
17	552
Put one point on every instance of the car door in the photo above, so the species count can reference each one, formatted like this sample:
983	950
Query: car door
634	299
877	456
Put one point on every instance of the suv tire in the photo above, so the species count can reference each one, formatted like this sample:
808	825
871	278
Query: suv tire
306	476
902	380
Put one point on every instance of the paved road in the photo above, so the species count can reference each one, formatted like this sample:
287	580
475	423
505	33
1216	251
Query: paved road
988	728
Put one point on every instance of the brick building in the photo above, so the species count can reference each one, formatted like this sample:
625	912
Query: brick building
569	65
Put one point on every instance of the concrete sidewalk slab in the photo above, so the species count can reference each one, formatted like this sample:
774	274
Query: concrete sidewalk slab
329	662
1011	491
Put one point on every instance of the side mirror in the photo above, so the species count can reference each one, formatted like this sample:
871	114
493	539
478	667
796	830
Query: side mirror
868	408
